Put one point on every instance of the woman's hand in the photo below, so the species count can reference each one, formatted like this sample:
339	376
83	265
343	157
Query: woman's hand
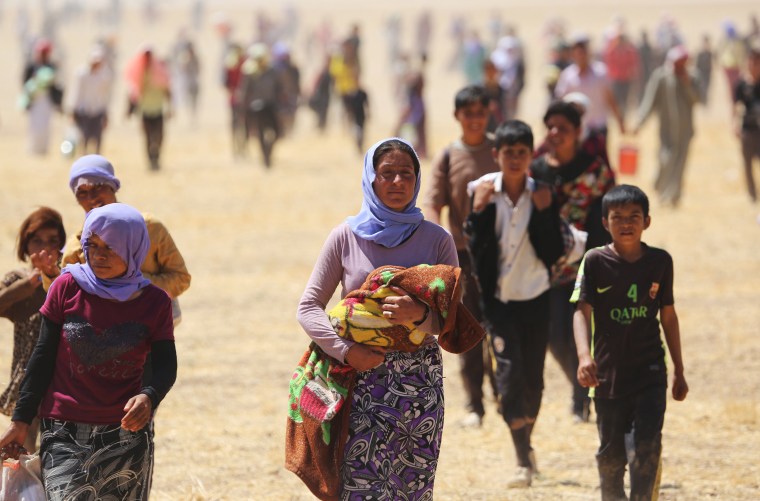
12	440
363	357
46	262
139	410
403	309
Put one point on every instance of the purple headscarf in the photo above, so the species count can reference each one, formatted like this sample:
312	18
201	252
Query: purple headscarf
123	229
376	221
94	169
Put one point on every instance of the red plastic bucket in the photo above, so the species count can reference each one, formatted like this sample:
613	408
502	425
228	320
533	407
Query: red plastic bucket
628	160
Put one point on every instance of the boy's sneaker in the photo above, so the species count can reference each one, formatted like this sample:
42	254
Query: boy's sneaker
472	420
521	479
533	464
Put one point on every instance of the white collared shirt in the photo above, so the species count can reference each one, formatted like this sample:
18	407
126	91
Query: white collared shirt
92	92
522	275
593	84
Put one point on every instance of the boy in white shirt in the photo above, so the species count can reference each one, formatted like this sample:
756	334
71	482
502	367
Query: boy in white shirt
514	237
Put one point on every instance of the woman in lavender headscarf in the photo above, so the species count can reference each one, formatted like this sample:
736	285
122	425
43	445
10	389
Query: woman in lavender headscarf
84	379
396	419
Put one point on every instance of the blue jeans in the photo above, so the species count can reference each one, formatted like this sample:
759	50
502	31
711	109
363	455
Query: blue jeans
641	415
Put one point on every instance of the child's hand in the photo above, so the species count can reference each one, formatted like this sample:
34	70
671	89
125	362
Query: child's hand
139	409
587	372
483	193
46	262
542	197
680	388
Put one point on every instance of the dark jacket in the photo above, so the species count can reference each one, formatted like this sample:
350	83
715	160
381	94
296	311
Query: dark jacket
544	232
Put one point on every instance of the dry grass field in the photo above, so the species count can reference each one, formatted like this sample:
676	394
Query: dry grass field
250	237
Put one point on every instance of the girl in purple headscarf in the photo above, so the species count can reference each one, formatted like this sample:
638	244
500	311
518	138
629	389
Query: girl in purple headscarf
85	377
396	418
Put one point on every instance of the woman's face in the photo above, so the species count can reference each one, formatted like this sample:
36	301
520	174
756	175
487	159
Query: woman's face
46	239
395	180
103	260
562	134
90	196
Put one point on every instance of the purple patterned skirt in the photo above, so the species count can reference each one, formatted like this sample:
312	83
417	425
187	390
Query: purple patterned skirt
395	430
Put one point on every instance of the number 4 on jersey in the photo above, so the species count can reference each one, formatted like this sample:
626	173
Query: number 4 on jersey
633	293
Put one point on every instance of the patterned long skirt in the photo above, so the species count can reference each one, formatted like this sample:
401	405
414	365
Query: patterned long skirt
395	431
82	462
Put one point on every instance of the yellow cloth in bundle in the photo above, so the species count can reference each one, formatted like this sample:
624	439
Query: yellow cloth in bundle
360	319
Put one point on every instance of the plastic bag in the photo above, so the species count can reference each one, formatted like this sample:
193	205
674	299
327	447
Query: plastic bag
20	480
71	139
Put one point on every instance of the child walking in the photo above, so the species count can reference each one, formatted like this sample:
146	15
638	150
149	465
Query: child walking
22	295
620	290
515	237
464	160
84	379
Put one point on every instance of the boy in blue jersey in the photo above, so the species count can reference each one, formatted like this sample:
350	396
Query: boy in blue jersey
620	290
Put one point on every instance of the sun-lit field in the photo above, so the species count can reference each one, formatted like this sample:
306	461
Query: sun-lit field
250	237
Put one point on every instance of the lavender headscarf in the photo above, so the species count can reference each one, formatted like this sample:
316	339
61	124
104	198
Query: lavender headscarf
375	221
123	229
94	169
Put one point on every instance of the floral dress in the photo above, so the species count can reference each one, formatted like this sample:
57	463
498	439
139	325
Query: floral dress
579	186
21	306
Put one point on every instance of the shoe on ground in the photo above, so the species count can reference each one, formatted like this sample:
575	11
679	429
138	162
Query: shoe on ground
582	412
533	463
472	420
521	479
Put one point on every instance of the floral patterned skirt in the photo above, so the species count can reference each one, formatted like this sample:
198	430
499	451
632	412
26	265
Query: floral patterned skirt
395	430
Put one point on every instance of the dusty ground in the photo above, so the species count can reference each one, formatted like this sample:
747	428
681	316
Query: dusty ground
250	237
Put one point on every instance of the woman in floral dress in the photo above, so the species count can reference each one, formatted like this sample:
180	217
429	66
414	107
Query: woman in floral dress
22	295
580	180
396	418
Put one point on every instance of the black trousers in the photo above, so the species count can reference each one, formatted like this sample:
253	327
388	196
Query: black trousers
475	364
263	121
519	331
153	127
91	128
641	416
562	344
750	151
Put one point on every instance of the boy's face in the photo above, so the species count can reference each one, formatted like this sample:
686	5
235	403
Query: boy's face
626	223
474	119
513	160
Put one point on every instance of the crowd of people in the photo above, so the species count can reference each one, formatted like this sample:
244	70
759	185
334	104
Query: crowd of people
548	245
